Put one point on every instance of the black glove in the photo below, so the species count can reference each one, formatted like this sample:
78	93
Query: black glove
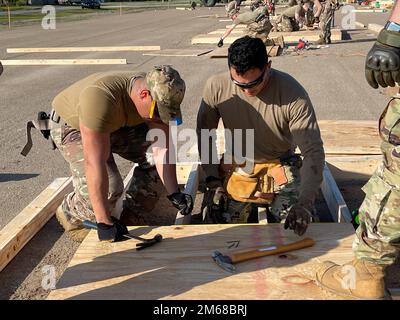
111	233
220	43
382	66
182	201
298	219
214	201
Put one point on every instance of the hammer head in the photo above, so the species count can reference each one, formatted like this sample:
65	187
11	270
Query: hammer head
224	262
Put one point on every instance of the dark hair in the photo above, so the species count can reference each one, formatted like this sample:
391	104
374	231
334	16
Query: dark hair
247	53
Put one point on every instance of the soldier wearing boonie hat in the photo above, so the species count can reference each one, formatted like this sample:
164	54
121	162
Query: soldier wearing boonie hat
167	89
107	113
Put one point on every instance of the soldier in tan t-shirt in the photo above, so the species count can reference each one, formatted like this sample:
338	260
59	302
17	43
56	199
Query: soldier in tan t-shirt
254	96
108	113
257	22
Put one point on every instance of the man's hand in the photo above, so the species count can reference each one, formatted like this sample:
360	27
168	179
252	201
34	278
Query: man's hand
182	201
220	43
111	233
298	219
382	66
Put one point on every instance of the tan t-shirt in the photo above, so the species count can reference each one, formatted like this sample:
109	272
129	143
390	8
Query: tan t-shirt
250	16
292	11
282	117
100	101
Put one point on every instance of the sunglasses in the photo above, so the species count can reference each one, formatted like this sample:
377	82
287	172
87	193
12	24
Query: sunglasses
251	84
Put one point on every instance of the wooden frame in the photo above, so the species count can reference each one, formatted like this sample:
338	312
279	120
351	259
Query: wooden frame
17	233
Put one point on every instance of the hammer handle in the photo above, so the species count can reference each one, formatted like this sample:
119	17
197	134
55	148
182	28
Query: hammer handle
270	250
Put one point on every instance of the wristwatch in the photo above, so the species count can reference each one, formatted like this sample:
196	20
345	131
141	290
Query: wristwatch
392	26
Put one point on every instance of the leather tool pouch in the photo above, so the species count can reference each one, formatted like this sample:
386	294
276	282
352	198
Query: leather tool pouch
266	180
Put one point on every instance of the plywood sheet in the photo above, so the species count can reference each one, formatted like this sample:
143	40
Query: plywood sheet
181	267
350	137
178	52
340	137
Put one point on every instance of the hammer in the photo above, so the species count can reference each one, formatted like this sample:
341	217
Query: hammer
227	262
139	246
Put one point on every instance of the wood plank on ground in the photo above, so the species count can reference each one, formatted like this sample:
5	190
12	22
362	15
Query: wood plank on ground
17	233
38	62
310	35
181	267
222	52
83	49
179	52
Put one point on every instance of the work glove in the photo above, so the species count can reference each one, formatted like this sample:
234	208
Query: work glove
382	66
298	219
215	201
182	201
111	233
220	43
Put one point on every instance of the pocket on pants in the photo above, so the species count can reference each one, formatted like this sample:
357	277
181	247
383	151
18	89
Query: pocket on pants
377	192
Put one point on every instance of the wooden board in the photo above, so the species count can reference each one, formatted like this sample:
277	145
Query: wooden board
353	168
83	49
181	267
235	31
310	35
36	62
223	52
17	233
350	137
179	52
375	27
333	198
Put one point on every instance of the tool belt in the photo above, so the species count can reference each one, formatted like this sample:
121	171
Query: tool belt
262	184
43	124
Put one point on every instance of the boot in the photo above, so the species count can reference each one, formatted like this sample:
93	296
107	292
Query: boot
359	279
75	232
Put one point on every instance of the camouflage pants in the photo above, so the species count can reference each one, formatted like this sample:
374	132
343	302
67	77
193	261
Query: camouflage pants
260	30
325	20
286	24
285	196
378	236
129	143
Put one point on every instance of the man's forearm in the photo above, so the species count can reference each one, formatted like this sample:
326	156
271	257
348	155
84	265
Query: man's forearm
97	182
312	176
395	17
165	169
